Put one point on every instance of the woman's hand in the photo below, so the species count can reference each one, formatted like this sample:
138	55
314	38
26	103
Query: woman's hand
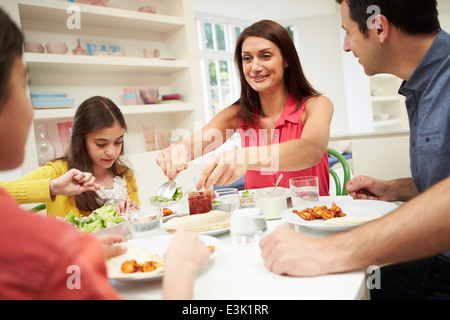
173	160
222	168
73	182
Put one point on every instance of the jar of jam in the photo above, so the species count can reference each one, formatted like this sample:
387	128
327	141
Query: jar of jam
200	201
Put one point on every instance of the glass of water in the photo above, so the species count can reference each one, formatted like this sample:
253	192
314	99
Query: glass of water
304	189
247	226
145	223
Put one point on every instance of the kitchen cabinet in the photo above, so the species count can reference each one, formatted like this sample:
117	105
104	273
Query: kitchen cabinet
388	108
171	30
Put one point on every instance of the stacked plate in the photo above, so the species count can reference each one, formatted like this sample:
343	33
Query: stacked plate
43	100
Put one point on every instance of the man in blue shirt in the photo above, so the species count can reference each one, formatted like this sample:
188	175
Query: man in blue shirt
403	38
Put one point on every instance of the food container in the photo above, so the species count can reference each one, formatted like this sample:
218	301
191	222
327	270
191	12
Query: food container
272	201
57	47
151	53
200	201
149	95
33	46
147	9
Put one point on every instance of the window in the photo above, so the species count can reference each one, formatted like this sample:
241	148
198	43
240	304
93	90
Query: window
217	40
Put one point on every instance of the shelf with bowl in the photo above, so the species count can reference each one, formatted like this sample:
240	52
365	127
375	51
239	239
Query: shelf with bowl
41	114
56	11
71	63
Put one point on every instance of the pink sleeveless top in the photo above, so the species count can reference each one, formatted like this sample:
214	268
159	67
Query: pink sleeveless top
288	127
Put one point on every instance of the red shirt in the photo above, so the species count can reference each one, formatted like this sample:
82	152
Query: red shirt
288	127
43	258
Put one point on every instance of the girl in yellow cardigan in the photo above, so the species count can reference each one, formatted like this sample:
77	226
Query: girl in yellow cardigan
91	173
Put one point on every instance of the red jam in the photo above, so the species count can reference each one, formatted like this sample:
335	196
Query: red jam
200	201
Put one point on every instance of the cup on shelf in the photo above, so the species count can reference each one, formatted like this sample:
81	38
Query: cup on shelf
147	9
151	53
149	137
163	138
33	46
130	96
64	130
304	189
149	95
56	47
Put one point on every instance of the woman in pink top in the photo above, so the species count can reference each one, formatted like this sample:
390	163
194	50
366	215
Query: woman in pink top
284	123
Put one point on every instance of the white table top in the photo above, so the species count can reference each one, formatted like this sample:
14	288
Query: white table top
238	273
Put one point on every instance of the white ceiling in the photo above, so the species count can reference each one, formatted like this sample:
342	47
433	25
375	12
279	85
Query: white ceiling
254	10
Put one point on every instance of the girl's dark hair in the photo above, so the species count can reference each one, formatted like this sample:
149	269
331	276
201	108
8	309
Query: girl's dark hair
11	47
412	17
294	79
93	114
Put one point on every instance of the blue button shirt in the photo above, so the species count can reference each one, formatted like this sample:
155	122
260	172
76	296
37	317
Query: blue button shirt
427	95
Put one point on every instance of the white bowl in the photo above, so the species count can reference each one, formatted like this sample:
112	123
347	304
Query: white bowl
121	228
57	47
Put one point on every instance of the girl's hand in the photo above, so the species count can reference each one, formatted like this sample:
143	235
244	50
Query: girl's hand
73	182
124	205
173	160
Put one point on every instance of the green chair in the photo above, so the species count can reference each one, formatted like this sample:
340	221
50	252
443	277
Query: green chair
340	191
39	207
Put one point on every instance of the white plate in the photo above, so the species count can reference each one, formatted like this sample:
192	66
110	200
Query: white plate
180	209
358	209
158	246
214	232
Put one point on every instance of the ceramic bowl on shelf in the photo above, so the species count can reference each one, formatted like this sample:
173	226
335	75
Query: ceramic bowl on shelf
151	53
149	95
147	9
57	47
33	46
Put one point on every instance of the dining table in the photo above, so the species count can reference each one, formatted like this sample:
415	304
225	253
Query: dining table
237	272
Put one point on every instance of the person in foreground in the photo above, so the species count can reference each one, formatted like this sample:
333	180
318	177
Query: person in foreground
93	160
413	240
40	260
283	121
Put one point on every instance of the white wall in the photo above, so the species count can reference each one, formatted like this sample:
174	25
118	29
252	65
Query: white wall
321	57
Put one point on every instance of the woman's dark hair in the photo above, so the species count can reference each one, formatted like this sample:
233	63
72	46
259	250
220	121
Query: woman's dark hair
410	16
93	114
294	79
11	47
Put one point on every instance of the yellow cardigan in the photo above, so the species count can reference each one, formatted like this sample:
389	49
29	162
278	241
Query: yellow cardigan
35	188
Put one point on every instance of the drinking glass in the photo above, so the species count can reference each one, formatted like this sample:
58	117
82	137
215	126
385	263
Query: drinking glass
226	199
146	222
247	226
304	189
149	135
272	201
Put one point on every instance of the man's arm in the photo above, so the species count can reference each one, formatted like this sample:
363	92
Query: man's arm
419	228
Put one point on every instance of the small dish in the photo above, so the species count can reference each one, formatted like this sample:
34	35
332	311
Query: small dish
147	9
57	47
33	46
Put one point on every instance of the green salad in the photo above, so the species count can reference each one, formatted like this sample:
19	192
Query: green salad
178	194
101	218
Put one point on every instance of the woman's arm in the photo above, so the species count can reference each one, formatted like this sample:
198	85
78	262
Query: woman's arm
297	154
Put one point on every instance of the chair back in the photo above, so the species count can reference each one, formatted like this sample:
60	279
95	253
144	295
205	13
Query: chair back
340	190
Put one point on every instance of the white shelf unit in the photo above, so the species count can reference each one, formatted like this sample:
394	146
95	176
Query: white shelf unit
171	30
388	108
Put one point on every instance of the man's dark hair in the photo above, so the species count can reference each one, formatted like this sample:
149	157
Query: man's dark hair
11	47
410	16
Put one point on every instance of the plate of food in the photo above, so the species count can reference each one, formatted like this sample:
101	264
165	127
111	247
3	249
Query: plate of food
337	214
144	258
210	223
168	212
104	220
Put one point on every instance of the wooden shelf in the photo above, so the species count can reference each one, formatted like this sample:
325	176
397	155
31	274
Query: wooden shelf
56	11
42	114
73	63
